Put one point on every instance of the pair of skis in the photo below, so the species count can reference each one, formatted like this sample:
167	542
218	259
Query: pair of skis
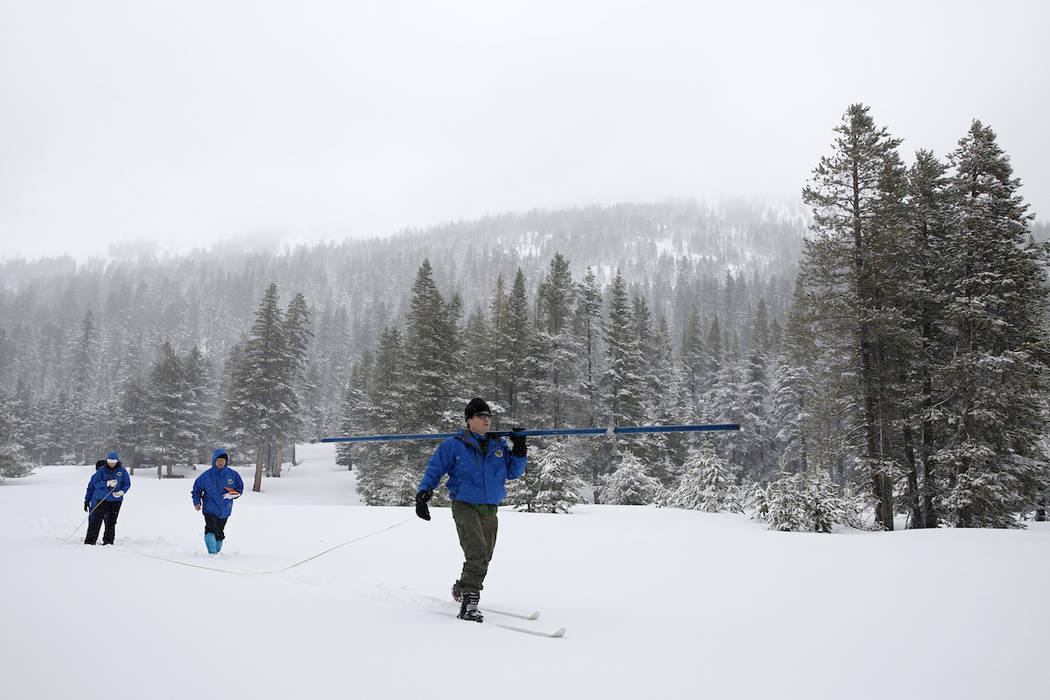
511	615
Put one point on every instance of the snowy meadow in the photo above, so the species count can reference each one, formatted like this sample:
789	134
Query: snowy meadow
657	601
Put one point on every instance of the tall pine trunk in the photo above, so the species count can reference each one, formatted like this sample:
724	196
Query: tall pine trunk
914	498
257	486
880	487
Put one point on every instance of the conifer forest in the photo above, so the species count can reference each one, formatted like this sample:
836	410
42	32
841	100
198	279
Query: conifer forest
883	345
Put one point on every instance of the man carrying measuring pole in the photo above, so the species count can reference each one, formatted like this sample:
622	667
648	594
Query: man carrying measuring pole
478	467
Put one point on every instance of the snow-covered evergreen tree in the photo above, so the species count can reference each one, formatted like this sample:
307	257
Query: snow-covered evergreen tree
694	369
929	219
558	488
13	460
558	349
431	347
483	379
994	417
629	484
621	381
519	363
353	418
131	433
261	409
383	412
170	414
807	502
756	438
587	327
202	402
794	393
851	270
707	484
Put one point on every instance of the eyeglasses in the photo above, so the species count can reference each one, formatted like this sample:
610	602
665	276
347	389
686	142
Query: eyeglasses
486	416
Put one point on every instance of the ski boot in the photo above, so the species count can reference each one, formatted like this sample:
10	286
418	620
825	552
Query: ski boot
468	607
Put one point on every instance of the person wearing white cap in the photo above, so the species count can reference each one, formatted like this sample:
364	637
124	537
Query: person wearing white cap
105	494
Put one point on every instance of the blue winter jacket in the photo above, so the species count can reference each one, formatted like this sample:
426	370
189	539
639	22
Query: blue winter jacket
97	489
473	477
212	484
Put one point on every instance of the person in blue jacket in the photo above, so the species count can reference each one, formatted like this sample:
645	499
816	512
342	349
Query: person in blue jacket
105	493
214	491
478	468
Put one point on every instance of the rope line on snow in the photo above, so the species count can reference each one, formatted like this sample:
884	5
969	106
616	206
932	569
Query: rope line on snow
272	571
92	512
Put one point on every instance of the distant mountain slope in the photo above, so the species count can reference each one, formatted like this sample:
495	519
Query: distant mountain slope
681	255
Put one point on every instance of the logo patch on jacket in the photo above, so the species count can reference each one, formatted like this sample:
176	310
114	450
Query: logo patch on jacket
498	453
229	481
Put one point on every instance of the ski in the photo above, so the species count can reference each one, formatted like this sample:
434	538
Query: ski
526	630
494	611
513	628
531	616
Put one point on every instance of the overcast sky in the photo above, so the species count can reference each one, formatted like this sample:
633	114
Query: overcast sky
190	121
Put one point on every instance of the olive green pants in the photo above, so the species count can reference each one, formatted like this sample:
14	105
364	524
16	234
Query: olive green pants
477	537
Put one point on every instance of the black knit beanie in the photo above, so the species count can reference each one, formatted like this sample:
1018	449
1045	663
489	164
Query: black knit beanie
476	406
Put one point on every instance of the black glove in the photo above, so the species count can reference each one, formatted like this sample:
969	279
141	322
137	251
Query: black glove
86	506
517	439
422	496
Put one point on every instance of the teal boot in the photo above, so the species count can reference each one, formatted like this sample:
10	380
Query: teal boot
209	541
218	546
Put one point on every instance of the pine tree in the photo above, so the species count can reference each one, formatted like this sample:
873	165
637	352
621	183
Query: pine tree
713	357
855	197
629	485
478	341
498	343
663	403
694	369
707	484
558	348
296	335
22	414
353	417
85	427
621	381
807	502
13	460
202	402
995	416
558	488
786	504
170	413
381	466
587	326
522	492
131	432
516	362
726	401
794	396
756	444
431	344
260	408
930	212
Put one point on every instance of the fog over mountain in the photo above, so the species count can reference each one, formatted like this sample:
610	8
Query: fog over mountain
185	123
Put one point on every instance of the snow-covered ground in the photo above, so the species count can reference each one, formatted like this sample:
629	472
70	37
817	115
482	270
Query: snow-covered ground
659	603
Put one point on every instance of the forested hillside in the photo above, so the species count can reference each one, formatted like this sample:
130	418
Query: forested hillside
74	335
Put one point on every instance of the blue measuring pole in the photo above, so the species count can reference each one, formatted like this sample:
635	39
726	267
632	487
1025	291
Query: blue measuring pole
625	430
